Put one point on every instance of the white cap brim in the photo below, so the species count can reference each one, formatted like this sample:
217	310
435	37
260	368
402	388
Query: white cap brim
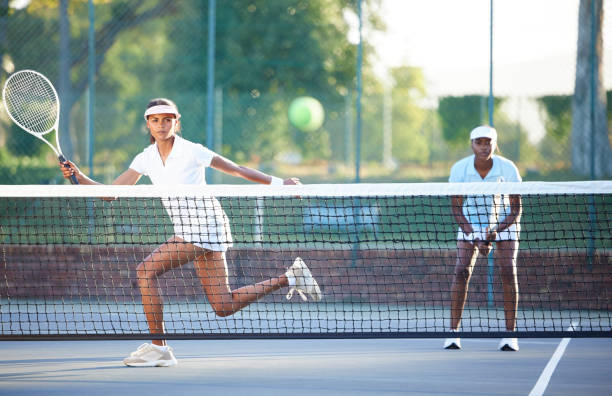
483	131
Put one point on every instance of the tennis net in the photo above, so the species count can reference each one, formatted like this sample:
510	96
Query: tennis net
384	256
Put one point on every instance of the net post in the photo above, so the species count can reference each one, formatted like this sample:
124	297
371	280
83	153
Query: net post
210	80
490	275
356	245
91	96
593	173
359	94
592	230
258	219
91	89
491	99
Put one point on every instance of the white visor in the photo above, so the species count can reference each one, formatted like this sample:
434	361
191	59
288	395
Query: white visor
162	109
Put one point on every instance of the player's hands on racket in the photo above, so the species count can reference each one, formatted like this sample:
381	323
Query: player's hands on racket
485	247
32	103
70	170
491	234
292	181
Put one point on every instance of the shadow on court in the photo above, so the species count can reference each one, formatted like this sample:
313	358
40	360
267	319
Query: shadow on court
306	367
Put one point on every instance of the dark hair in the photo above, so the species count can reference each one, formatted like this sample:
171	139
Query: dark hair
161	102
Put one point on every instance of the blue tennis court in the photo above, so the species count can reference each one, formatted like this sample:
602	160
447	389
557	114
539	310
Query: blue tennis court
306	367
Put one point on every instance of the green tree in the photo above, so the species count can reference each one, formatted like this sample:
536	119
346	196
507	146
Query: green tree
51	37
557	110
401	100
460	114
557	114
267	53
411	134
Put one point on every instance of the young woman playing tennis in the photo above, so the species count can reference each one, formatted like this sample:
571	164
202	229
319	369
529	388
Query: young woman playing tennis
202	239
483	220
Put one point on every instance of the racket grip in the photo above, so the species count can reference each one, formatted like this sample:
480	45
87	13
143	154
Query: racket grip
73	178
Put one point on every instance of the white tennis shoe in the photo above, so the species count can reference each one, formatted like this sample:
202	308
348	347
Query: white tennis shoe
150	355
509	344
452	343
304	282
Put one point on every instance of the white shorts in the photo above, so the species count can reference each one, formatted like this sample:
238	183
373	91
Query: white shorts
511	233
200	221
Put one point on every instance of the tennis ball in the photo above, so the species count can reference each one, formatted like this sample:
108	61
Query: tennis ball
306	113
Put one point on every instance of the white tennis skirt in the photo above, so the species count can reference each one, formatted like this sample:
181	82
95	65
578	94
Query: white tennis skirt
200	221
511	233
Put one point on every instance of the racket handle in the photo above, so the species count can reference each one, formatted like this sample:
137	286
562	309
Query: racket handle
73	178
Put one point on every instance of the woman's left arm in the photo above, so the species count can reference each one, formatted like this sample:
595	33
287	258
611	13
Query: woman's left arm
231	168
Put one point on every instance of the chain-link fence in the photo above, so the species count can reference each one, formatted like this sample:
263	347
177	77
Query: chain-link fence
268	53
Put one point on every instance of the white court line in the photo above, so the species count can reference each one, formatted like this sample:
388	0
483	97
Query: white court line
542	384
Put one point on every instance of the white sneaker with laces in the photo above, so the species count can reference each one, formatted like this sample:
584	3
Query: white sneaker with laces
508	344
150	355
303	281
452	343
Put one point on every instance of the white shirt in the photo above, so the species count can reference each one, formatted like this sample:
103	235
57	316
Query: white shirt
200	221
485	211
186	163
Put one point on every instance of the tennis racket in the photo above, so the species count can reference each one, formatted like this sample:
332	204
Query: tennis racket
32	103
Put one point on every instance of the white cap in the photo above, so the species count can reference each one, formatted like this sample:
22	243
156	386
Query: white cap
162	109
484	131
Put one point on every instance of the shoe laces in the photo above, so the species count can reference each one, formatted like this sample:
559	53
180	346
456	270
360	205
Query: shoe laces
144	348
141	349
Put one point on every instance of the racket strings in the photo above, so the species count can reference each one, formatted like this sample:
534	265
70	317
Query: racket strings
32	102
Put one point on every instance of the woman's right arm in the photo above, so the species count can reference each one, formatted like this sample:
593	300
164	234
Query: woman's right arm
457	209
129	177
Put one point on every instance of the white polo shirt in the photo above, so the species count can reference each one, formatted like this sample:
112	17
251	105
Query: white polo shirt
485	211
186	163
199	221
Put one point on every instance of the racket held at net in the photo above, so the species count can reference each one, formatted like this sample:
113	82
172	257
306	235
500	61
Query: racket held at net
32	103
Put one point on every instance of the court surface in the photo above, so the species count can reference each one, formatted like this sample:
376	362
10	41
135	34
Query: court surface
310	367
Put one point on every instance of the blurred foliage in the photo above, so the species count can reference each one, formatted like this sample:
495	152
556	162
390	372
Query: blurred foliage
24	144
460	114
557	114
26	169
267	52
412	134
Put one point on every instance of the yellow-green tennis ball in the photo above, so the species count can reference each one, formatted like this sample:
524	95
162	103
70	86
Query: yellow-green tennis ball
306	113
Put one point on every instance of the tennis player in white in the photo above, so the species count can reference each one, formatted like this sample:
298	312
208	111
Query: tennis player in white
483	220
202	232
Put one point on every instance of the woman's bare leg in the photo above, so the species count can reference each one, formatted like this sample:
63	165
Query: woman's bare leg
467	253
171	254
505	256
211	268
